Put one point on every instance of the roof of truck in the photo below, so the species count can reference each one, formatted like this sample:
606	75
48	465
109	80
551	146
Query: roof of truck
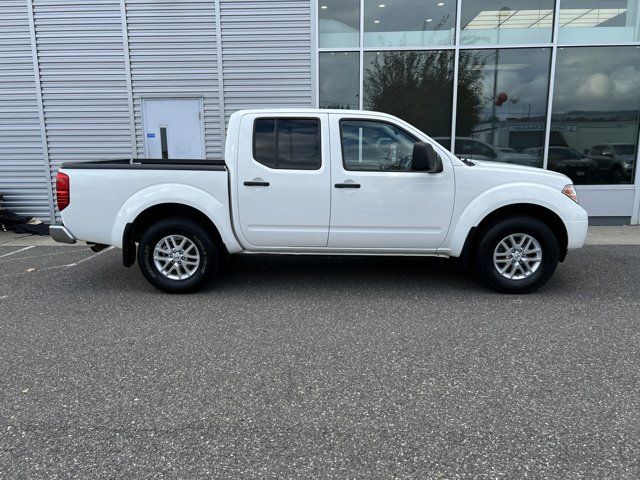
317	111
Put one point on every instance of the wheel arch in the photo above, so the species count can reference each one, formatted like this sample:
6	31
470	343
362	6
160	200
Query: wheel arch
133	231
545	215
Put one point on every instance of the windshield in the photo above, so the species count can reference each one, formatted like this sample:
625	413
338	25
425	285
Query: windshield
625	149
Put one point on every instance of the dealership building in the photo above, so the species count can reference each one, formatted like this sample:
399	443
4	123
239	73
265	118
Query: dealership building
551	84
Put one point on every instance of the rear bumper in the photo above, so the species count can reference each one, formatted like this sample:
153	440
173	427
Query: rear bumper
60	234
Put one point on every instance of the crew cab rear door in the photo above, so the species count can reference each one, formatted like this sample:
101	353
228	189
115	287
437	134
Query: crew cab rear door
283	176
377	201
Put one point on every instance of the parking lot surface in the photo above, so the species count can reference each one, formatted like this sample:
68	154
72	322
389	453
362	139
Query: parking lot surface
311	367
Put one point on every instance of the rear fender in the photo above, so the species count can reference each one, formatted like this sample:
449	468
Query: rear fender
213	208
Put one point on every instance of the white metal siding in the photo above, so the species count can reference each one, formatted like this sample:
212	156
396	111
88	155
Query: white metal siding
266	53
172	48
23	179
82	73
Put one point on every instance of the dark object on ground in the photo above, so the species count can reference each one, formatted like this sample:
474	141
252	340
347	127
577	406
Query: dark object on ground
19	224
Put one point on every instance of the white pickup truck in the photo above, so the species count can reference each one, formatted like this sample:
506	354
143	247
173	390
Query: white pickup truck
324	182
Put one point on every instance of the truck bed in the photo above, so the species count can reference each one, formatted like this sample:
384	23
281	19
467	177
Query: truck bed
105	195
148	164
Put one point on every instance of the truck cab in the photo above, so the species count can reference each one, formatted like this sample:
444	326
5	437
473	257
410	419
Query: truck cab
351	185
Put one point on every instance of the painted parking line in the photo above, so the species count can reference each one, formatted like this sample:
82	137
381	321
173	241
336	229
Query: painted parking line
57	254
14	238
17	251
57	267
75	264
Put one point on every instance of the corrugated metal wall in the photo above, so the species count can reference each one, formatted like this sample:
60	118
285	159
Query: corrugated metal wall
97	59
266	53
23	179
172	47
82	73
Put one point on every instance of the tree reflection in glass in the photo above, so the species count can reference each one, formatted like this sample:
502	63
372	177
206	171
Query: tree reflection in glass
416	86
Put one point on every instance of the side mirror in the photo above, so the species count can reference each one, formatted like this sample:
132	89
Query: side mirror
425	159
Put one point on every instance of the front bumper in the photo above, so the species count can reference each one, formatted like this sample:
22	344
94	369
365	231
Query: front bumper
60	234
576	233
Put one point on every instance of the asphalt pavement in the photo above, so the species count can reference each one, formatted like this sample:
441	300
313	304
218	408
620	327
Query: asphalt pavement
311	367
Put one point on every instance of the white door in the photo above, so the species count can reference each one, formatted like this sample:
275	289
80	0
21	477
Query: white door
376	200
173	128
283	180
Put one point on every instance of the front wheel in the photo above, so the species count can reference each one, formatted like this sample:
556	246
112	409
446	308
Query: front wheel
517	255
177	255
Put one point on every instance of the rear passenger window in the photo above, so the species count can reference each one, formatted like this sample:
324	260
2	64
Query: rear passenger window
264	142
287	143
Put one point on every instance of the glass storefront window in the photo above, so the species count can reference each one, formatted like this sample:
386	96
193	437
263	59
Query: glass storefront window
502	105
409	23
600	21
596	107
512	22
502	92
339	23
416	86
340	80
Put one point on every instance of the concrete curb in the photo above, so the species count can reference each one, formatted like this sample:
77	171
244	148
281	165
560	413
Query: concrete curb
625	235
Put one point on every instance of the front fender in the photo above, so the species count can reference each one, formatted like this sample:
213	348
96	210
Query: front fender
472	214
217	210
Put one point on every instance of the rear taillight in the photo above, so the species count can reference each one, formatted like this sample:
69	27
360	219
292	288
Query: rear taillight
62	191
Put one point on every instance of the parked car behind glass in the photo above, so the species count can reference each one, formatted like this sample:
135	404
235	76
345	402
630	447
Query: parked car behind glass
476	150
569	161
615	160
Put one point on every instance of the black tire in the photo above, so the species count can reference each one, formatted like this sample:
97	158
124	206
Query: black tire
491	238
206	246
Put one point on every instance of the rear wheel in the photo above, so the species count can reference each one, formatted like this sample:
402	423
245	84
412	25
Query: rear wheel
517	255
176	255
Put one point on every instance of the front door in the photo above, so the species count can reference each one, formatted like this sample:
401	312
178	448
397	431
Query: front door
283	180
377	202
173	128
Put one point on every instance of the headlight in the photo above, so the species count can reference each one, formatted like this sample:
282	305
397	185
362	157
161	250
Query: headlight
570	191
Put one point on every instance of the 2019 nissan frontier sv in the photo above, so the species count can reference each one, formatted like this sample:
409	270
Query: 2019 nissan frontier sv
328	182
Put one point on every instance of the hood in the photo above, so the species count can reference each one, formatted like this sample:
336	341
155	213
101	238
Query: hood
508	172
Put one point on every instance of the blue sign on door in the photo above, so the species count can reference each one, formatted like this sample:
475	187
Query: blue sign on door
151	135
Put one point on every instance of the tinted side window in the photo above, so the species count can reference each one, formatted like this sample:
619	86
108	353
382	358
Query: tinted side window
370	145
287	143
299	144
264	141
